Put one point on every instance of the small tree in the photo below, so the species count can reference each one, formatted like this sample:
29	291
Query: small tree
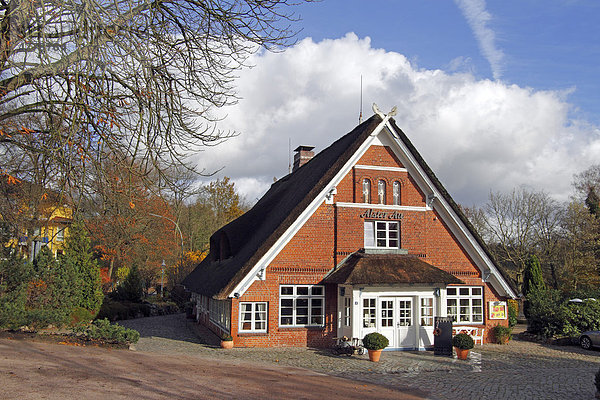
132	288
78	258
532	276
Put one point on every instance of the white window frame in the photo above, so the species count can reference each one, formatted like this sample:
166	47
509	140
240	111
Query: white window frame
369	312
366	190
310	297
426	311
396	193
381	191
254	312
472	302
60	234
371	229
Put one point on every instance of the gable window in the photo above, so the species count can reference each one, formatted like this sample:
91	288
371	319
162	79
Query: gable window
396	192
253	317
366	191
465	304
385	234
301	305
381	191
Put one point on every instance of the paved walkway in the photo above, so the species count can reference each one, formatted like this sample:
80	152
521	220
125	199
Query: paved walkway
519	370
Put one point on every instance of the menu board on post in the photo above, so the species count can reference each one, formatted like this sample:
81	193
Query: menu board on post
497	309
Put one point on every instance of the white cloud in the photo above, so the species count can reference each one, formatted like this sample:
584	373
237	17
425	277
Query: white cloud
477	135
478	17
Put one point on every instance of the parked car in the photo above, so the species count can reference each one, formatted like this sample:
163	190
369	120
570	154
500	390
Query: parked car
589	339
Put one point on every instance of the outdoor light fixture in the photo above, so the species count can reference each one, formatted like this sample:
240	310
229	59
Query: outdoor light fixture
436	292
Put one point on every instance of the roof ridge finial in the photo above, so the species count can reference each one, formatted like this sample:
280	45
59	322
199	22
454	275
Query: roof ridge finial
383	116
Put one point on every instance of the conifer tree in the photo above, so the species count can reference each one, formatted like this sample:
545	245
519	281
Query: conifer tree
592	201
78	258
532	276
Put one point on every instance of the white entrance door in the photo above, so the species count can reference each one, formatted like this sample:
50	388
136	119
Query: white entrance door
405	326
387	319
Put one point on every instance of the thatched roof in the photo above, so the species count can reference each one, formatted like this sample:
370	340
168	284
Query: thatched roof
362	268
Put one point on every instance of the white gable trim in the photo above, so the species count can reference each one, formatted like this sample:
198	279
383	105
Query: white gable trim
434	199
383	206
258	271
380	168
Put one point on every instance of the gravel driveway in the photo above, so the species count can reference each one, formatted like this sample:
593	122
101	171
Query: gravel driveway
520	370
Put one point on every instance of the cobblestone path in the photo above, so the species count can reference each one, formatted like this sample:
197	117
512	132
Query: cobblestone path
519	370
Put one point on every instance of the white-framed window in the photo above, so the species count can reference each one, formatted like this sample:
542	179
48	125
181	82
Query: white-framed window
396	193
366	191
381	191
426	311
465	304
220	313
301	305
253	317
384	234
369	313
347	311
60	235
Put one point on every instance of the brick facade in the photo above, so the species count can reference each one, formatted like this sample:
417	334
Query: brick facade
336	230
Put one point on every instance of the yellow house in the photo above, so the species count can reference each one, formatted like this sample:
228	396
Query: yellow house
52	231
37	217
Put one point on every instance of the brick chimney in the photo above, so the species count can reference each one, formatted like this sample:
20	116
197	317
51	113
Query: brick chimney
302	156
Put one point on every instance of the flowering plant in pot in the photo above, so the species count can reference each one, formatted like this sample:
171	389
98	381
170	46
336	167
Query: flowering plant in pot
375	342
501	334
227	341
462	344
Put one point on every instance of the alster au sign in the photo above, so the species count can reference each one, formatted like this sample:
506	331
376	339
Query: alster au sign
372	214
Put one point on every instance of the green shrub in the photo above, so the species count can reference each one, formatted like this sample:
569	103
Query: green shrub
132	288
551	314
102	329
80	316
227	338
375	341
115	310
463	341
501	334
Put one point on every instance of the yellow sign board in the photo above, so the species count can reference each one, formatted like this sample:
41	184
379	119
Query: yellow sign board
497	309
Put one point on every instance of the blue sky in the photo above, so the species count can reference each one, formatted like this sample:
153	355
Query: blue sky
547	44
494	94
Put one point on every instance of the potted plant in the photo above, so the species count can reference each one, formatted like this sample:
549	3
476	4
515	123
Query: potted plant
501	334
462	344
375	342
227	341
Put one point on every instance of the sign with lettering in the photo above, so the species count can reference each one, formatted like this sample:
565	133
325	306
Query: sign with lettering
372	214
497	309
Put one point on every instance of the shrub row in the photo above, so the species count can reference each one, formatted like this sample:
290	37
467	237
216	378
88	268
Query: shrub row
102	329
551	314
115	310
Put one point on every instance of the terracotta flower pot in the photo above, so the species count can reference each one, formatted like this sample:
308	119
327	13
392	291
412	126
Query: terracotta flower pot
227	344
374	355
462	354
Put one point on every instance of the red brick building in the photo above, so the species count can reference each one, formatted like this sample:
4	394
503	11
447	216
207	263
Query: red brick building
361	237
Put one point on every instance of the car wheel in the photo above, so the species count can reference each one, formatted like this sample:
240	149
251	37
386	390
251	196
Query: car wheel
585	343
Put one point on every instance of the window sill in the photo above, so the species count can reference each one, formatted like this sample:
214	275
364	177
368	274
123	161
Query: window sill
246	334
301	328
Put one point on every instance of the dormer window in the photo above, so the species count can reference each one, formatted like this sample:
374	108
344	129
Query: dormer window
396	193
366	191
381	191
